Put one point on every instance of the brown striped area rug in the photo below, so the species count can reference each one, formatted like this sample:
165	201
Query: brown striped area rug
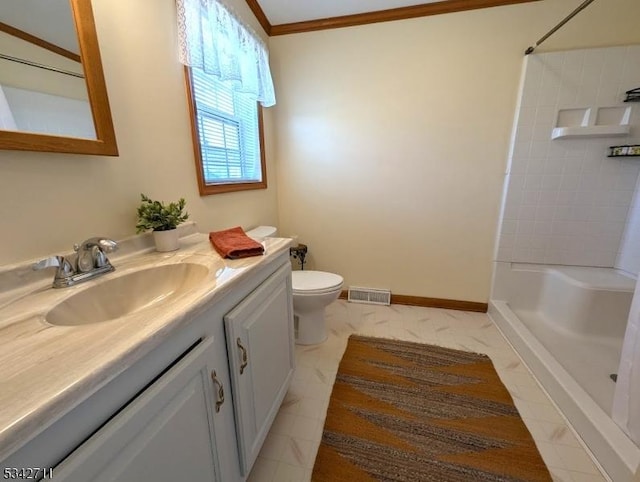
402	411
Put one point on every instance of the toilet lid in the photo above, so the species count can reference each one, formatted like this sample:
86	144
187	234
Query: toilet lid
315	281
262	232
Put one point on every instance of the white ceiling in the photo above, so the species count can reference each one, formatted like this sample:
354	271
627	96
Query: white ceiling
290	11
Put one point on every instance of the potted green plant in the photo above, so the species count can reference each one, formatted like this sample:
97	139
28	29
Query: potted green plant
162	220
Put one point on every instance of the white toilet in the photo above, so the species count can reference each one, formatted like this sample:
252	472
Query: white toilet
313	291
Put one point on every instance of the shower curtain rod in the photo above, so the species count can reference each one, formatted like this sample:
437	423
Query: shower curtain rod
584	5
40	66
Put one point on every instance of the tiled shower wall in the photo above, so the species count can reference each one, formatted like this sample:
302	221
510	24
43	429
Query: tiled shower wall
566	202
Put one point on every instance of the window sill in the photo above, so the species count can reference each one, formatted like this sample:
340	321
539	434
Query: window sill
210	189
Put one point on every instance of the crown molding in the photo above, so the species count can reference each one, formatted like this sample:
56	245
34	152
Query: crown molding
259	13
402	13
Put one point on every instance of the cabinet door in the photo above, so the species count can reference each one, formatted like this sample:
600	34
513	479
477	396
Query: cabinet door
260	344
165	434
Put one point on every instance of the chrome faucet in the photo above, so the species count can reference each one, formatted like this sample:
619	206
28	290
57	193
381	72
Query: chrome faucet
90	261
91	254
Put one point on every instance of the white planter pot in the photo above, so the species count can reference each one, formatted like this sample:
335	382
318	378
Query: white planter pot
166	240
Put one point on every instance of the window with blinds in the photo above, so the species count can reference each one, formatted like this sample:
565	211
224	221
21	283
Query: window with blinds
228	130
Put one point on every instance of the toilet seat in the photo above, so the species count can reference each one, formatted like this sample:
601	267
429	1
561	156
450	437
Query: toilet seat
315	282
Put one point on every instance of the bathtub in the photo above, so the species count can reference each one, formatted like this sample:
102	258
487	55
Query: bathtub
568	325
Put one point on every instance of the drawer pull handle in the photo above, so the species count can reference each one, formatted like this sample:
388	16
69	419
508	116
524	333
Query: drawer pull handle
244	356
220	395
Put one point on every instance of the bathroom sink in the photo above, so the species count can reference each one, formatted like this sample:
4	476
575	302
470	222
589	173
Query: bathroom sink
127	294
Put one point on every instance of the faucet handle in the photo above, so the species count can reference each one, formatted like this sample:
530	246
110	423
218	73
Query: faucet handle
105	245
64	266
53	261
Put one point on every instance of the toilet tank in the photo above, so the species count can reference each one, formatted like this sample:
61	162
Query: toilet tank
262	232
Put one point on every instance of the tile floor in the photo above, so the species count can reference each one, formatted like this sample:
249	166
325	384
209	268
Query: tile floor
289	451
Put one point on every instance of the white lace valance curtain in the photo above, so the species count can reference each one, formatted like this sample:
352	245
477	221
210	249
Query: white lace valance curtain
212	38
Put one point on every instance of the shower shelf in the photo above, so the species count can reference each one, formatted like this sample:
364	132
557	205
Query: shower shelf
592	121
590	131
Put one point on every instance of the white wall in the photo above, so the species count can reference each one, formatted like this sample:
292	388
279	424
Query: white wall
567	202
23	76
357	107
629	253
7	122
392	138
43	101
50	114
50	201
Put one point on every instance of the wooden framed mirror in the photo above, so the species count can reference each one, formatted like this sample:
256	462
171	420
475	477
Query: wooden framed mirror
91	97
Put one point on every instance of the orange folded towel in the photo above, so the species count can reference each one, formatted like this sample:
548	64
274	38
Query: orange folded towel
233	243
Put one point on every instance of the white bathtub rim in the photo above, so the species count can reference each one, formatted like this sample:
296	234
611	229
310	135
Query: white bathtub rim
564	272
588	286
616	440
576	336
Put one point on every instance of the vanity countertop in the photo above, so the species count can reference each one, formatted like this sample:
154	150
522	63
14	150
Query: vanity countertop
46	370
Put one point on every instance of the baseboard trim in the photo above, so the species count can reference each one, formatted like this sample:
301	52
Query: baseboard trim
433	303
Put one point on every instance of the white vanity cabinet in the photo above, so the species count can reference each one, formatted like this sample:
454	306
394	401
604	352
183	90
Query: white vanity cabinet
260	345
164	434
184	410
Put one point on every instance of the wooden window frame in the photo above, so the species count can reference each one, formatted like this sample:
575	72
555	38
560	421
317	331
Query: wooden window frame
210	189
